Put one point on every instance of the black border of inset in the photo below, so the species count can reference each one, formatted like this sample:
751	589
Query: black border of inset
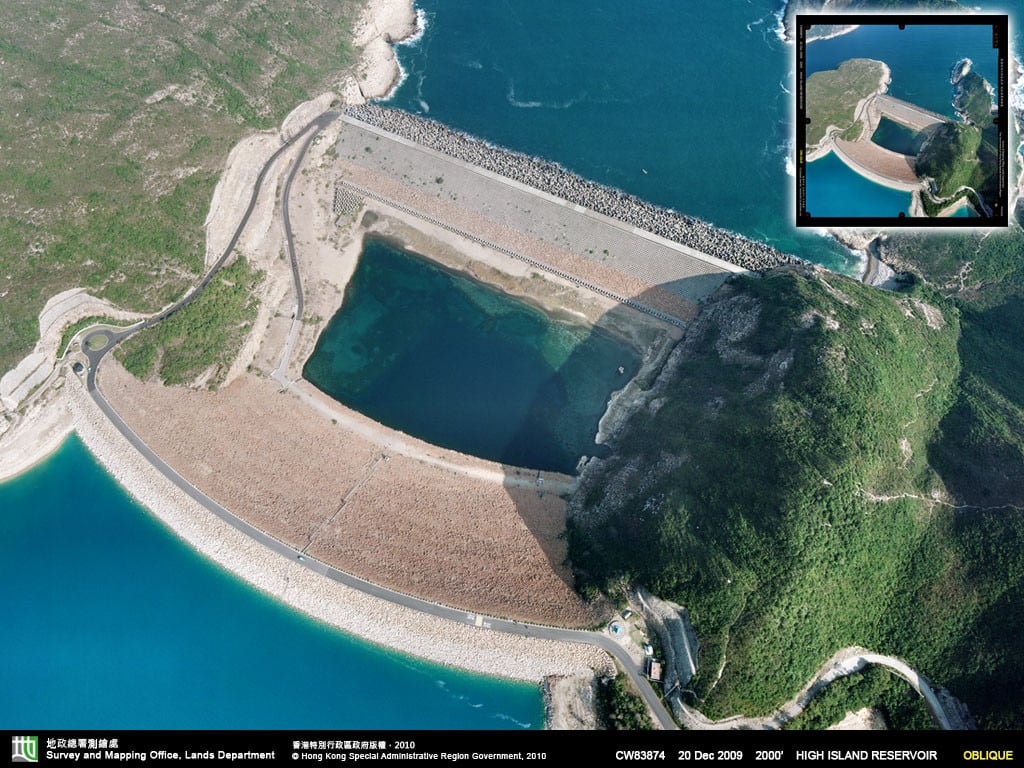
1000	27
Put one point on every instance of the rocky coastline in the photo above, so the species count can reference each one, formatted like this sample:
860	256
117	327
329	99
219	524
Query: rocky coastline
555	180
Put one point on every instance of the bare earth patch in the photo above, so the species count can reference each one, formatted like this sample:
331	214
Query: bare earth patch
866	719
571	701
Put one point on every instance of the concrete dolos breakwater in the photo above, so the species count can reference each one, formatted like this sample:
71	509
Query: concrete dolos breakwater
555	180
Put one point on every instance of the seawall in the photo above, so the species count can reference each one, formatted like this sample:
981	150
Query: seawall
553	179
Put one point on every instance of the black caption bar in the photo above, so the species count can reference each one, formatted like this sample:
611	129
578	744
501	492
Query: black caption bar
503	747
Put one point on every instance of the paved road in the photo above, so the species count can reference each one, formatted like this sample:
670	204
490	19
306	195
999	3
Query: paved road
280	375
96	356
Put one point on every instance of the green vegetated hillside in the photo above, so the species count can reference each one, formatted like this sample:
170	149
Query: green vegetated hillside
949	156
979	449
973	99
832	96
965	153
786	493
115	121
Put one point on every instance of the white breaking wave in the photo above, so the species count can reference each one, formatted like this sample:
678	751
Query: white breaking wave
862	262
780	23
510	96
1017	94
776	29
502	716
415	37
402	76
787	157
421	27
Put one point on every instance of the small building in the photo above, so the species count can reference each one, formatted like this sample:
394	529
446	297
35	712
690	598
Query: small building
654	671
627	613
648	649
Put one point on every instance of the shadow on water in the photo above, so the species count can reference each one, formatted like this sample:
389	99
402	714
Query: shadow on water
532	491
438	355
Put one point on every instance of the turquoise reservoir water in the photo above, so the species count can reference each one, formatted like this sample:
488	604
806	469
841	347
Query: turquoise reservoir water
835	190
683	104
459	364
110	621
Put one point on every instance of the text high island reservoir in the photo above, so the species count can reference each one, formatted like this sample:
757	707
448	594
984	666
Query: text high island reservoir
470	374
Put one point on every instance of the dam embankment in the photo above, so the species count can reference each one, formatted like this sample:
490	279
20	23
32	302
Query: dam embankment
557	181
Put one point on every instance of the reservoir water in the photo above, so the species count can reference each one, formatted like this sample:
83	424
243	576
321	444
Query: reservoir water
459	364
112	622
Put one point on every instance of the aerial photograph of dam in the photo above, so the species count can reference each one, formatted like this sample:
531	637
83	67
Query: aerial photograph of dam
377	370
902	120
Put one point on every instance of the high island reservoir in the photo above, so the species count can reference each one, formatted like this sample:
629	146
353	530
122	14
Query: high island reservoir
513	317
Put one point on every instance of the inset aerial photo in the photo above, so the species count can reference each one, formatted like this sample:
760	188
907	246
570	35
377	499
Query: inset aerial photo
900	120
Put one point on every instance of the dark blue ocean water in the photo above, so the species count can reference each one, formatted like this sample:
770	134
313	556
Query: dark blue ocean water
684	104
460	364
110	621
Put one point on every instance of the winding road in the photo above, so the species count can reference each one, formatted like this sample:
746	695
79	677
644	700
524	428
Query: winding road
96	355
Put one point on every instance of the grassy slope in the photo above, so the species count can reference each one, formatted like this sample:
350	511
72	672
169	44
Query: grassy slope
833	95
99	188
204	335
764	531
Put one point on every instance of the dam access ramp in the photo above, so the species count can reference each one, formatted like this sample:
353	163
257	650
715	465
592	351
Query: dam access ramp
593	235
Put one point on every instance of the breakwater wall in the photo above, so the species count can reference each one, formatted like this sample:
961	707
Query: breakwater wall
555	180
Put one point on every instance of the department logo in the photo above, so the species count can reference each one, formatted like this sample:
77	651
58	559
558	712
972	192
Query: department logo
24	749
